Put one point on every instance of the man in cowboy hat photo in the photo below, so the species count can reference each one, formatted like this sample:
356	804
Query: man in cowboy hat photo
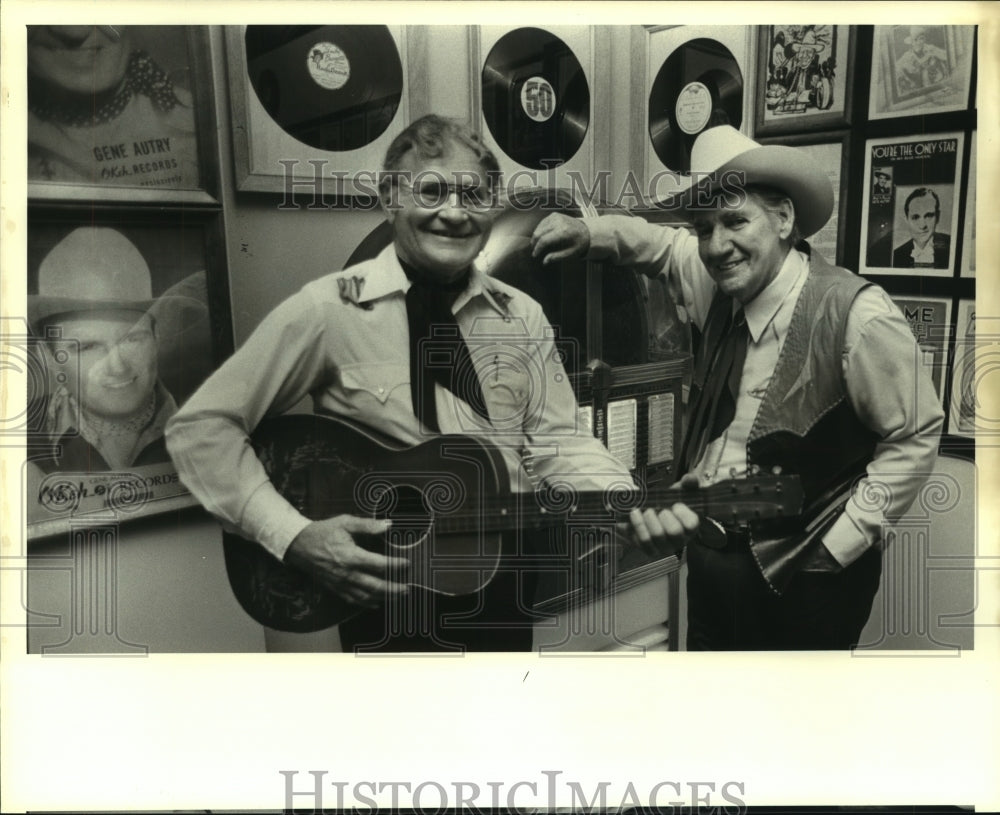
106	409
801	367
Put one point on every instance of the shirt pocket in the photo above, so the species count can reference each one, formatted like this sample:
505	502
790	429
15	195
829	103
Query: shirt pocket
377	381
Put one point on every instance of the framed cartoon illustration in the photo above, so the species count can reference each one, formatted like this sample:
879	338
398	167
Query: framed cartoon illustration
920	69
832	153
119	113
126	320
805	78
910	204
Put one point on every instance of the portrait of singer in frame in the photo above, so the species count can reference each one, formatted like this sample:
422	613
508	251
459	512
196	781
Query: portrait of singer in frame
927	247
102	110
352	341
112	351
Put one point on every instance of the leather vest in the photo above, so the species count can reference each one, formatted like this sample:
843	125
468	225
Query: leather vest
805	424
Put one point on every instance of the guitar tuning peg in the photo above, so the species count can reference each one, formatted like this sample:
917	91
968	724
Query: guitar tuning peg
754	469
776	469
732	472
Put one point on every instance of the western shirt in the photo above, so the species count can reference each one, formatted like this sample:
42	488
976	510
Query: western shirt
344	340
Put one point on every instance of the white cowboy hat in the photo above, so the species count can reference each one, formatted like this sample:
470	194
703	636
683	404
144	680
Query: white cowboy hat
722	149
92	269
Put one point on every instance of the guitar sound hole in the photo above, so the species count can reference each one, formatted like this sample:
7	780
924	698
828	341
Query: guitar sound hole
404	506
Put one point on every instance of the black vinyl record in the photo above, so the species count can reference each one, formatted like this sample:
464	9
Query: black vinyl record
536	100
331	87
698	86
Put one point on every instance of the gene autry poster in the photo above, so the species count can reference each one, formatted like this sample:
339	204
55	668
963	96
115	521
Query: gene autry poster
910	206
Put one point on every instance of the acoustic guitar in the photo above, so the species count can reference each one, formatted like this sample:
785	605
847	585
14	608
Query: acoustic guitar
449	501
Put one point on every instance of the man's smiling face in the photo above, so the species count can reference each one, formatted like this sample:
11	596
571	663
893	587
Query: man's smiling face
742	247
438	228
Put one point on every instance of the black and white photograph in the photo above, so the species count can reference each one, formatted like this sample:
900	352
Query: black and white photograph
111	105
910	209
120	314
570	413
920	69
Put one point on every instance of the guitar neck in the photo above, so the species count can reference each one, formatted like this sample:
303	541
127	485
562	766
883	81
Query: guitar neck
737	501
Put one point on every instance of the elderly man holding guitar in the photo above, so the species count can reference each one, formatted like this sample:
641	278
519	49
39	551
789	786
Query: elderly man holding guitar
410	517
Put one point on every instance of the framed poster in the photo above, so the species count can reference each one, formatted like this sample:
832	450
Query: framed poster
969	233
964	396
910	204
121	310
832	153
930	321
920	69
805	77
315	107
119	113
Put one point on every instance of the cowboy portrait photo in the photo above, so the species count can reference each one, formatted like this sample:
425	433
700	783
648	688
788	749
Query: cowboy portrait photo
117	358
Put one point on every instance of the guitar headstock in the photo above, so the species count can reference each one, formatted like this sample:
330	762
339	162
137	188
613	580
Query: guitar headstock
758	498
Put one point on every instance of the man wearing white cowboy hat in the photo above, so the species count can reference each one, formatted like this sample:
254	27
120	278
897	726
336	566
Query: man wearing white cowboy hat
801	366
924	64
107	409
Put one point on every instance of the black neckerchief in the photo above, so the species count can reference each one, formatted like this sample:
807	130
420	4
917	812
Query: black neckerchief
438	352
142	76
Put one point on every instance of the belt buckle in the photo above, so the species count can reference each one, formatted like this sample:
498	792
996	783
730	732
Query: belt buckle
713	535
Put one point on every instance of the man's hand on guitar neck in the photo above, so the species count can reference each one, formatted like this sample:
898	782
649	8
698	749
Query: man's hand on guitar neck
664	532
326	550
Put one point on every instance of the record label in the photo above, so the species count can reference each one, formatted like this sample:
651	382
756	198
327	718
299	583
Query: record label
329	66
538	99
694	107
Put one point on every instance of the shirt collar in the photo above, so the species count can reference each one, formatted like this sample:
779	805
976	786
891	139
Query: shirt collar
761	310
387	277
64	410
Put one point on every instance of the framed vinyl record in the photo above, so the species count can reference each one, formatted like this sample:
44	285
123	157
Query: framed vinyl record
315	107
695	78
539	96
